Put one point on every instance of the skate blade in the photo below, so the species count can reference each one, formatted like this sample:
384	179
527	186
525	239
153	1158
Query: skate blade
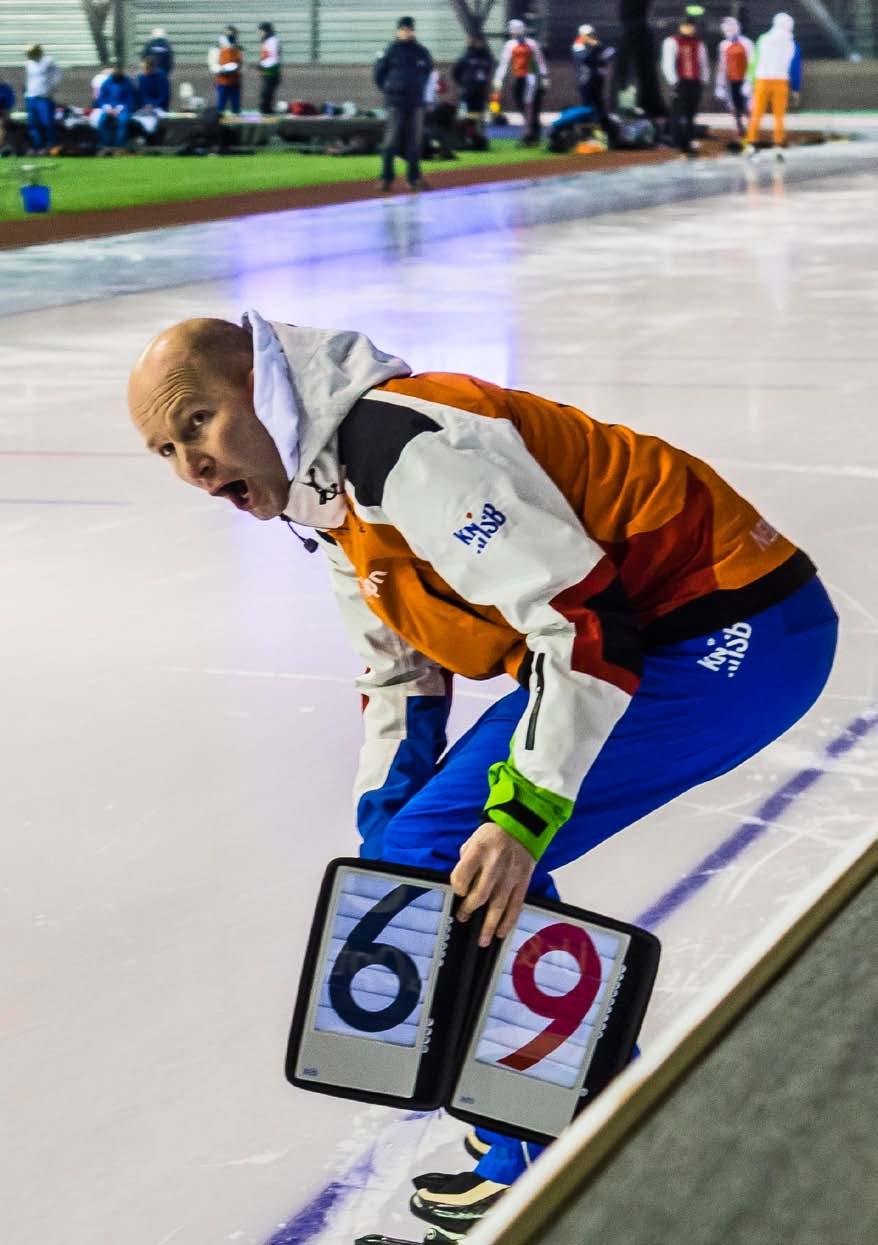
434	1236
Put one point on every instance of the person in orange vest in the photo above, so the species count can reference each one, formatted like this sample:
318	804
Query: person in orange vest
659	629
731	85
686	69
523	58
227	61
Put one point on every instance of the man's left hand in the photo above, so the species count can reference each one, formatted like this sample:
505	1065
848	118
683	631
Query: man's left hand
494	869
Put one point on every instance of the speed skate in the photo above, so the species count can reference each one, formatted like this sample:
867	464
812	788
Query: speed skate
433	1237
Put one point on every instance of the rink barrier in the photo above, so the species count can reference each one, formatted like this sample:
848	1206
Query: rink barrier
65	273
564	1172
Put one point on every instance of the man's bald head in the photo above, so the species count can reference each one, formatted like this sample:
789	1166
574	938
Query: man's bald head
214	351
190	395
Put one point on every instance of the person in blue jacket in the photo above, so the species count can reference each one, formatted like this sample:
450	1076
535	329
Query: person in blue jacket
7	103
117	100
153	87
402	73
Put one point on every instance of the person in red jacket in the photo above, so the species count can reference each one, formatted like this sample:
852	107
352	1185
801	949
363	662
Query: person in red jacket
686	69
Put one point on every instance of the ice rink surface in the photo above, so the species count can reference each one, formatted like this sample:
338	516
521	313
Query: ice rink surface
180	731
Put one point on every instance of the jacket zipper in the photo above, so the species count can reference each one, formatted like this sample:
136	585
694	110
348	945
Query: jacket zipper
534	713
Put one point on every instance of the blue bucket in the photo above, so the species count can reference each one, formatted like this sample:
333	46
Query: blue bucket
36	198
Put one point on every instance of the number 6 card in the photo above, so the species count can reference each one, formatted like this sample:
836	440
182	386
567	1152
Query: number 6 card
399	1005
376	1017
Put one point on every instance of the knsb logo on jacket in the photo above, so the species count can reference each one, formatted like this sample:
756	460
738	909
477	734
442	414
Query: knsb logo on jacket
480	533
370	585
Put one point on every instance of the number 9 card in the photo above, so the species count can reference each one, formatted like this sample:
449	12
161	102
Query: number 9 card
559	1017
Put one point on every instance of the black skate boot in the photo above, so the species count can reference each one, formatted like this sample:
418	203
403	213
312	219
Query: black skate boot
432	1237
475	1148
458	1204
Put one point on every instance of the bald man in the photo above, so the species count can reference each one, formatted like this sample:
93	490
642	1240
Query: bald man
659	629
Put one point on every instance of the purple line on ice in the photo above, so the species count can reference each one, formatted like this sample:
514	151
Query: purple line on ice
751	829
310	1221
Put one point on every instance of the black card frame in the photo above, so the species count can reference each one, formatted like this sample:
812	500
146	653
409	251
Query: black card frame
617	1042
451	1000
456	1015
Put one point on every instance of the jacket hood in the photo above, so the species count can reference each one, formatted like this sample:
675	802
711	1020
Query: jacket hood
783	23
305	382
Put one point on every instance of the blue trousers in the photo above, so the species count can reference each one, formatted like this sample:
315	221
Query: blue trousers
228	98
703	706
113	130
40	120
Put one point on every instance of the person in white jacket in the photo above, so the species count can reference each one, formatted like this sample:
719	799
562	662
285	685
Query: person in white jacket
776	70
523	57
658	629
42	75
732	86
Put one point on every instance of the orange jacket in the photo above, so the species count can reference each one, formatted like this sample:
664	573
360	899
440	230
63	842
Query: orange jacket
231	59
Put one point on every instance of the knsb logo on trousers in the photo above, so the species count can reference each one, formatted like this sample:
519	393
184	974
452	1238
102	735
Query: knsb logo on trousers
480	533
730	654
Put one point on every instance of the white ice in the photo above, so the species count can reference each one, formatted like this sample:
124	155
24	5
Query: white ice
179	729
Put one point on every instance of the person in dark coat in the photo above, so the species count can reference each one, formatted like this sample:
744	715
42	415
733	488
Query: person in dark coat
591	60
160	50
473	73
7	103
636	60
402	73
269	67
117	100
153	88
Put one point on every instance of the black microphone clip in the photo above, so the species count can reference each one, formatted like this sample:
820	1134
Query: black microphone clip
309	542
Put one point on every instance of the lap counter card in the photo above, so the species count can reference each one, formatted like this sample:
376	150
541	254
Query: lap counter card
384	987
399	1005
558	1019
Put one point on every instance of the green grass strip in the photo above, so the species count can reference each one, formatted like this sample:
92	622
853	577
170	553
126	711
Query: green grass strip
93	185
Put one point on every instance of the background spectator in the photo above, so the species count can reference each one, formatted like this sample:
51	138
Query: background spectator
226	60
473	73
686	69
160	50
523	58
776	69
402	74
269	68
117	100
636	59
733	57
7	103
153	88
42	75
591	61
97	82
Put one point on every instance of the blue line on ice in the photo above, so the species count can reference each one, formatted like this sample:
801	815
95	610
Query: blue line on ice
751	829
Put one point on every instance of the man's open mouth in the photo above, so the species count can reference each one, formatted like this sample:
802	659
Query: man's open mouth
238	493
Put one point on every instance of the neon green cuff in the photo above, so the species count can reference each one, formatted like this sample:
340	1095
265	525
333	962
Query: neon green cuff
531	814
